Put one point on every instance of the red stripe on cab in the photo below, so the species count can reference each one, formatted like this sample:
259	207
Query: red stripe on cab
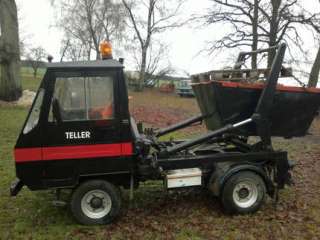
73	152
27	154
127	149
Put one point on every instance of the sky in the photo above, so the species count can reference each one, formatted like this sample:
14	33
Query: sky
184	43
37	20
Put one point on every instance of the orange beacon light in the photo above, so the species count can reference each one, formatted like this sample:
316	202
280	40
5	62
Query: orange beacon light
106	50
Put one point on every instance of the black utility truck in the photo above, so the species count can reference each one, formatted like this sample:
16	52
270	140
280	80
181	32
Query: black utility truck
79	135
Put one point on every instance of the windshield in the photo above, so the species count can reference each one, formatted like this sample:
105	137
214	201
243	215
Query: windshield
185	83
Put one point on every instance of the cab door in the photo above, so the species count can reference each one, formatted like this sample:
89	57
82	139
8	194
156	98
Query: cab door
83	130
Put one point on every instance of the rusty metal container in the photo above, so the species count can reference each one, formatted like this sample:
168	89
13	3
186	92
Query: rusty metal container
226	102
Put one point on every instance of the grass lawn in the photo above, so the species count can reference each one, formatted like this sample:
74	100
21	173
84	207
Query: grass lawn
28	80
155	214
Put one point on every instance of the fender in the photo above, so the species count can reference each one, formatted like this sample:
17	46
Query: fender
224	170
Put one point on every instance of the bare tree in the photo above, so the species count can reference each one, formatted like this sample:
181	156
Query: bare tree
257	23
10	82
315	69
154	59
158	65
75	50
90	21
242	16
65	44
148	18
281	24
314	22
35	58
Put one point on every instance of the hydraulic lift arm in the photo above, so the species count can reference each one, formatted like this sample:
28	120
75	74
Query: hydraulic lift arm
260	116
180	125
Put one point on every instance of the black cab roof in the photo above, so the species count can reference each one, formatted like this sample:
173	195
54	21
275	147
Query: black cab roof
111	63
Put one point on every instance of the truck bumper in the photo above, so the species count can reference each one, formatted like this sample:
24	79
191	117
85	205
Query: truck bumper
15	187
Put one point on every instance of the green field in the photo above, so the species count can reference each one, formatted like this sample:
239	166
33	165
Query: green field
154	213
28	80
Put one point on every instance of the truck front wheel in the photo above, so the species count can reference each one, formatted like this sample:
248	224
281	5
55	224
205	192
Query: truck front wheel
96	202
243	192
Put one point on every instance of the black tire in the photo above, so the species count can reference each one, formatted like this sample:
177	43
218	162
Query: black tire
244	192
107	195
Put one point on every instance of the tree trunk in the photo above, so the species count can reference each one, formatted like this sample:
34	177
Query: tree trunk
10	82
89	54
64	50
314	74
274	24
35	72
142	69
254	46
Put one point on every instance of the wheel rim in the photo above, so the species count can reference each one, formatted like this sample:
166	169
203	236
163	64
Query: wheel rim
245	194
96	204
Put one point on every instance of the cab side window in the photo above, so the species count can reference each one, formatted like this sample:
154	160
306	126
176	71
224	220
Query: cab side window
69	95
100	97
34	116
82	98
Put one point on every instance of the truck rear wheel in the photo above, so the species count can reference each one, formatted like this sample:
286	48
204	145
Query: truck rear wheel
244	192
96	202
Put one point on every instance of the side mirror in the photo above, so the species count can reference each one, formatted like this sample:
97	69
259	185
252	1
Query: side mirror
56	110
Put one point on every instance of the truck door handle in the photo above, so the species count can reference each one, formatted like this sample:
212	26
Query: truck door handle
125	121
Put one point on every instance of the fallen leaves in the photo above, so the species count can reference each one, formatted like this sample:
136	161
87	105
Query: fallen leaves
156	214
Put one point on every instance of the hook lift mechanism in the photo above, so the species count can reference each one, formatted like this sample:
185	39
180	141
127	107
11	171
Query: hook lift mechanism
94	150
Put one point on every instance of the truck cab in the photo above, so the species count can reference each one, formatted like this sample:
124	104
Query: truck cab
80	112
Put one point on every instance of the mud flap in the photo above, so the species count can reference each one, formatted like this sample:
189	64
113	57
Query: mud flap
283	176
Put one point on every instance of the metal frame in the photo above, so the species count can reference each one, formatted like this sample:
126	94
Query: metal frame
238	74
260	117
175	156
